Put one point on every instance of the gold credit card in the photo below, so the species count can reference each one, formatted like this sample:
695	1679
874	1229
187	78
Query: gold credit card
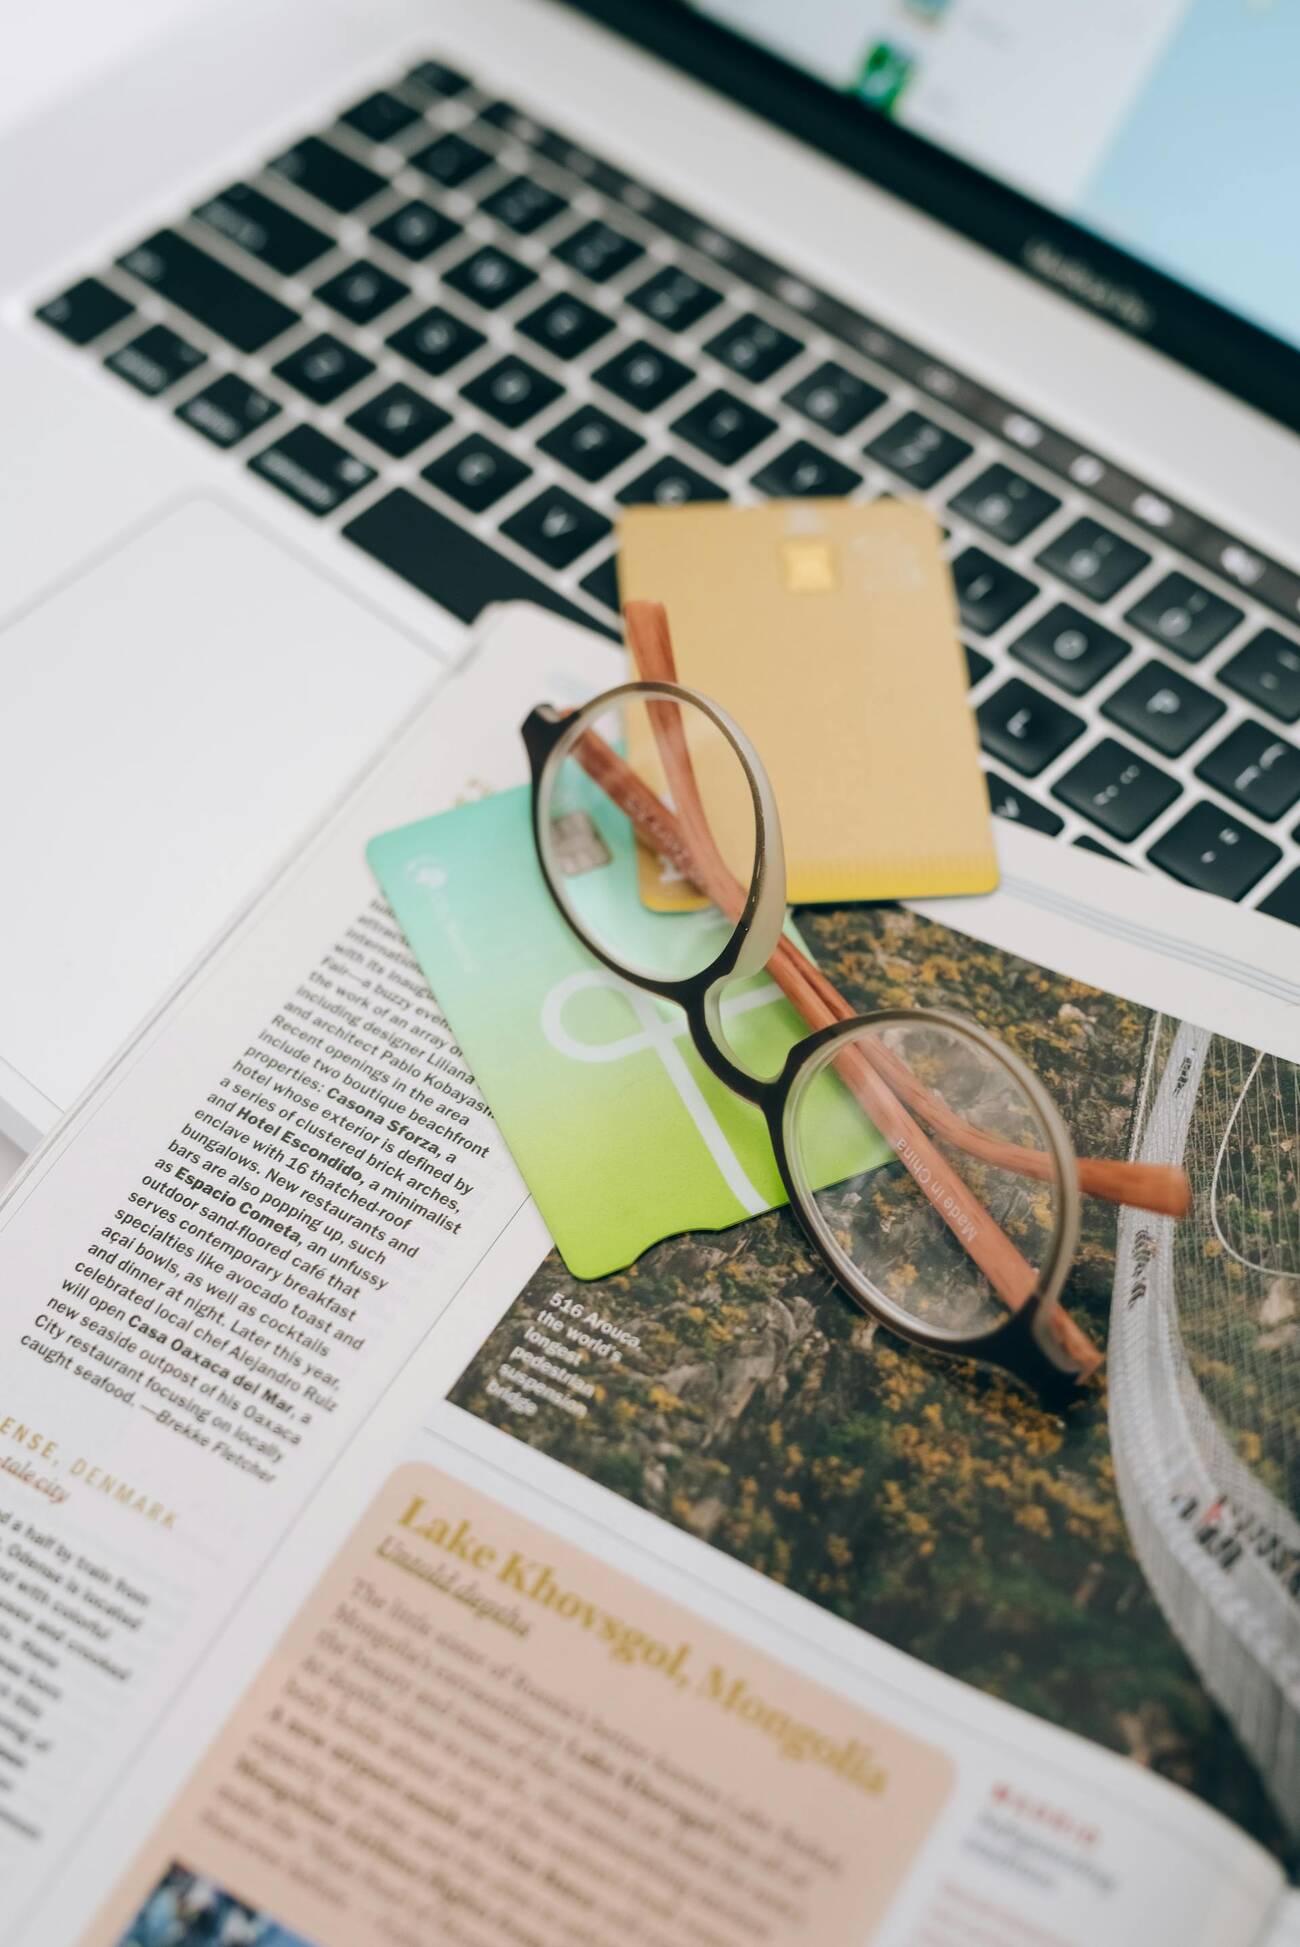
829	630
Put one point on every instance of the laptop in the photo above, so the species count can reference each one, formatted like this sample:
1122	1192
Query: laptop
327	327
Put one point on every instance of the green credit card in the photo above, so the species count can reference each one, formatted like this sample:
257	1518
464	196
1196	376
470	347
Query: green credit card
620	1131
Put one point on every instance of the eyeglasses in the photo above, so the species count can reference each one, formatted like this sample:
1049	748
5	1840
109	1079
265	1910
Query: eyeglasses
929	1167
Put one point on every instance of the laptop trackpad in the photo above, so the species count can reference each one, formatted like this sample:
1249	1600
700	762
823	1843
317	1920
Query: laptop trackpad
175	717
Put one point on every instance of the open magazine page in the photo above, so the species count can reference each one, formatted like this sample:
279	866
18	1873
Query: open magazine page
212	1269
1131	1571
494	1716
297	1651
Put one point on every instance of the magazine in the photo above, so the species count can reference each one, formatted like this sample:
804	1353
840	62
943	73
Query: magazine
767	1629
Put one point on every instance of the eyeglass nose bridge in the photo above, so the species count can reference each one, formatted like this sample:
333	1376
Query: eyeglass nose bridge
541	731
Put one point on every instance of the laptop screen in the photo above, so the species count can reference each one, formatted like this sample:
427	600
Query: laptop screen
1139	156
1165	126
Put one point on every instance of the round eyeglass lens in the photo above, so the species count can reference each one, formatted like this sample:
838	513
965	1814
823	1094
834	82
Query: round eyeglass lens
649	833
932	1168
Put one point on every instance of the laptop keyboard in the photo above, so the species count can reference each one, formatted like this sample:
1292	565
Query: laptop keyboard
467	343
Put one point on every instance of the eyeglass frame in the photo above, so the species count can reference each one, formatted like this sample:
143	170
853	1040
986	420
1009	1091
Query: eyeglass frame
1021	1344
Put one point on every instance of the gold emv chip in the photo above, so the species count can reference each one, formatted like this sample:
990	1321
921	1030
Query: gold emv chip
809	566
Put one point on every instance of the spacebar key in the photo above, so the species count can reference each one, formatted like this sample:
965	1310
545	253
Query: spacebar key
444	560
242	313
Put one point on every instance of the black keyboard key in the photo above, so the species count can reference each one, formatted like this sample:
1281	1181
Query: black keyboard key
511	391
674	299
834	398
436	340
264	228
1007	800
1162	708
228	410
228	304
917	450
476	472
524	206
335	179
312	470
804	469
1025	728
1070	647
489	277
753	348
989	593
440	558
669	483
598	251
416	230
398	420
1284	900
590	443
1004	504
723	427
1117	789
362	293
556	527
977	666
1267	671
565	326
451	160
1087	843
602	583
380	116
502	114
1093	560
642	376
84	312
1213	851
1184	616
154	360
1257	768
436	78
323	369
